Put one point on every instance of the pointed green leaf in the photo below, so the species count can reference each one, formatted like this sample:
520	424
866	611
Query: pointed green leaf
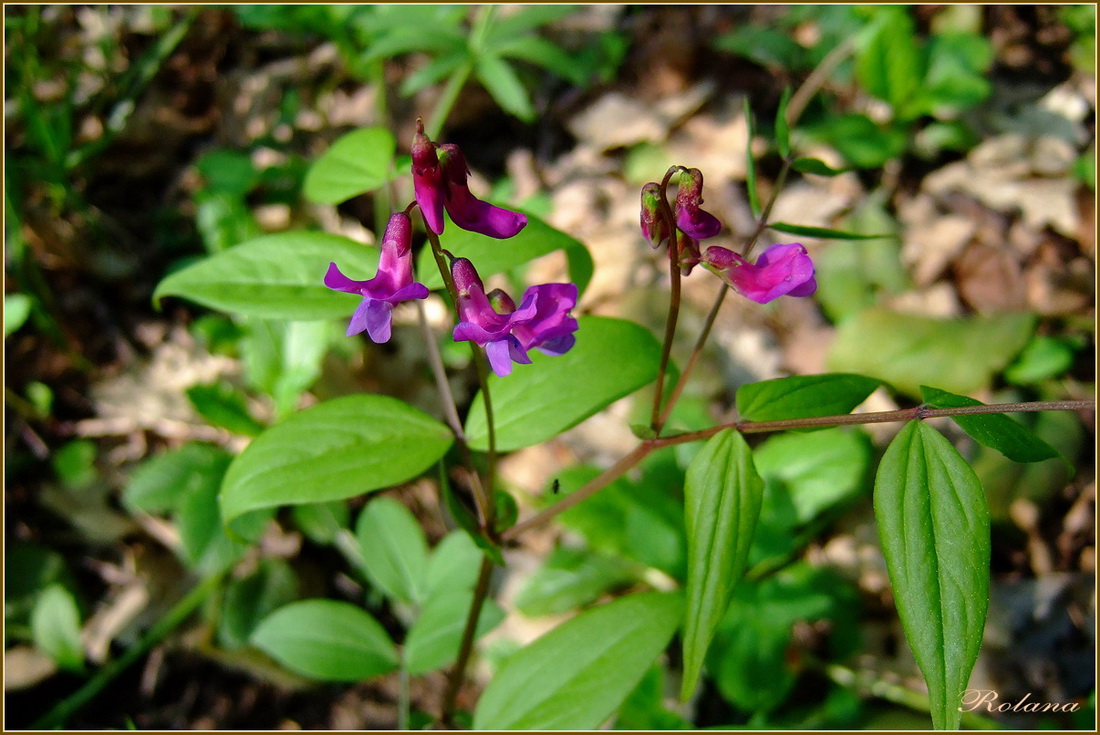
356	163
453	565
17	307
436	636
815	166
395	552
803	396
55	626
824	233
505	87
782	129
996	431
492	256
337	449
959	355
933	523
575	676
541	52
612	358
327	640
275	277
750	171
722	497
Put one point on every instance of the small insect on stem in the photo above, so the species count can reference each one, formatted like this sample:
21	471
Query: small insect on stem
556	487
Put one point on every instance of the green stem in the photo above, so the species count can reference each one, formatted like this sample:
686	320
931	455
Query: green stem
458	672
656	422
447	99
897	694
403	695
482	496
695	353
69	706
450	408
639	453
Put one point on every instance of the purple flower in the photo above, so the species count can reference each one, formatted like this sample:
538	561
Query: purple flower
541	322
439	182
467	211
696	223
393	284
781	270
427	179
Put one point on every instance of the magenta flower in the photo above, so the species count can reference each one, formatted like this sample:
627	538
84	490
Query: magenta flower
439	182
427	179
541	322
696	223
781	270
392	285
467	211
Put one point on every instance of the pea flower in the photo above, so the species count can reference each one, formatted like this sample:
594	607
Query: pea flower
781	270
440	174
392	285
542	321
693	221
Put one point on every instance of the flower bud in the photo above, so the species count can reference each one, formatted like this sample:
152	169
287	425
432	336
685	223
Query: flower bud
654	227
427	179
696	222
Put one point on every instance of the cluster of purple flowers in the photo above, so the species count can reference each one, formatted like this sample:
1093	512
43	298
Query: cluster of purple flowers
543	319
781	270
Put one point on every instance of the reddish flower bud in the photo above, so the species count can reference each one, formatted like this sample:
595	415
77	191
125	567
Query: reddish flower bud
697	223
654	226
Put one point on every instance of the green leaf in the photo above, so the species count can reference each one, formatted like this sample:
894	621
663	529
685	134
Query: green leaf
528	18
750	171
453	565
205	544
161	483
335	450
815	166
1044	357
889	64
996	431
55	626
356	163
434	71
395	552
818	469
74	464
765	46
642	521
864	143
327	640
750	657
321	522
782	129
824	233
611	359
505	87
933	523
249	600
434	639
228	172
494	256
571	578
275	277
722	498
803	396
17	307
959	355
549	56
223	405
574	677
